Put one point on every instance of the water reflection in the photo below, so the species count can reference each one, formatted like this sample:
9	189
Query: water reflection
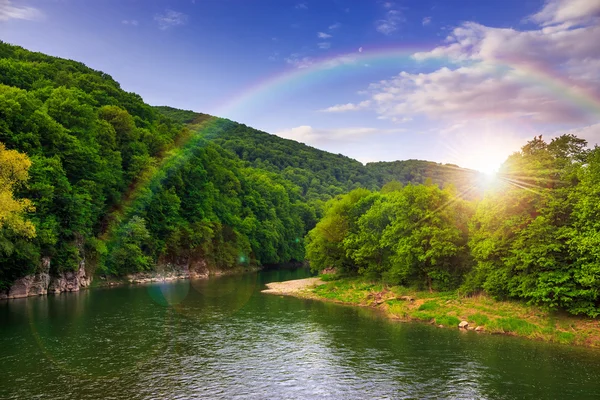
222	338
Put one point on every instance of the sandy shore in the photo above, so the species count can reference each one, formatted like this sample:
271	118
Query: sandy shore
292	287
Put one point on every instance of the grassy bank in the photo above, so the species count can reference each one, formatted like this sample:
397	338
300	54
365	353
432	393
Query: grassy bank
448	309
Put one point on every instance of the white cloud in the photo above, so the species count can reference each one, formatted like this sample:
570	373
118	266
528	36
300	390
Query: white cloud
170	19
323	35
301	6
324	45
568	12
347	107
299	61
477	91
390	23
426	21
10	11
591	133
132	22
545	75
315	136
334	26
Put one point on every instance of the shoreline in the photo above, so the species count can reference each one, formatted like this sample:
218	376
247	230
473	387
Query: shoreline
448	310
140	278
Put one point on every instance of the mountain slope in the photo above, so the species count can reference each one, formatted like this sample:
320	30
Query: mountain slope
119	186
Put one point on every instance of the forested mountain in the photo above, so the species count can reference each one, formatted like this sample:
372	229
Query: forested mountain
90	174
124	186
318	173
418	171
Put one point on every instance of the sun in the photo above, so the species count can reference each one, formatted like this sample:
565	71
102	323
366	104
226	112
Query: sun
488	166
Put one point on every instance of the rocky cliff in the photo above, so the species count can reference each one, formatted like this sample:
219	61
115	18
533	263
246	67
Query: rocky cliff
42	283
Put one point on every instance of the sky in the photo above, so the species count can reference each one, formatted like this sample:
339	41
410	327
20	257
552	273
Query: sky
463	82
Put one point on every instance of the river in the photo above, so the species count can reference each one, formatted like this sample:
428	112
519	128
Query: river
222	338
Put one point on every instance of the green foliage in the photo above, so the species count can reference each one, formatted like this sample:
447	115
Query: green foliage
415	235
429	306
447	320
479	319
87	140
535	236
128	186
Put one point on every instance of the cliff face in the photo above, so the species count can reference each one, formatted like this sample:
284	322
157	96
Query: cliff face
42	283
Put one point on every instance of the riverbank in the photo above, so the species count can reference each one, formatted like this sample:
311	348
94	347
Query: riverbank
42	283
291	288
448	309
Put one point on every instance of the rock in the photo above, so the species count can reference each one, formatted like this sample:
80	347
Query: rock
70	281
470	328
463	324
31	285
406	298
479	329
440	326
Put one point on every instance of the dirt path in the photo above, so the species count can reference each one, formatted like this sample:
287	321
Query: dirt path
292	287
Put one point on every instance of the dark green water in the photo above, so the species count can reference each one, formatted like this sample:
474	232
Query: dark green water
222	338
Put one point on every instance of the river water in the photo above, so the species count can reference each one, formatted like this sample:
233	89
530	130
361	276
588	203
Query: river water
222	338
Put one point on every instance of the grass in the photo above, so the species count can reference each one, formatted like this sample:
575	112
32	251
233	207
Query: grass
449	309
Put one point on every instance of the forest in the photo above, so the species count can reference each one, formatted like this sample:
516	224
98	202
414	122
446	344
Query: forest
89	172
534	236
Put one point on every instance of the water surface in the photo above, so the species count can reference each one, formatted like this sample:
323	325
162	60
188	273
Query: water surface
222	338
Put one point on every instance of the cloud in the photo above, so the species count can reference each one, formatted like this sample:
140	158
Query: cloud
347	107
426	21
301	6
299	61
360	49
334	26
324	45
591	133
323	35
390	23
567	12
316	136
132	22
170	18
545	75
10	11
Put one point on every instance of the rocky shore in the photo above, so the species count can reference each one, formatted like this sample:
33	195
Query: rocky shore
42	282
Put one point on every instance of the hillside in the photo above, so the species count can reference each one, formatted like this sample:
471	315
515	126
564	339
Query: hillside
117	186
318	173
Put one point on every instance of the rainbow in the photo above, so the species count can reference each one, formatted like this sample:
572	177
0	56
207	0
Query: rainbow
309	73
322	70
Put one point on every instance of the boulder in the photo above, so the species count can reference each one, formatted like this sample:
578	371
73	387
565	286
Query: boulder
463	324
479	329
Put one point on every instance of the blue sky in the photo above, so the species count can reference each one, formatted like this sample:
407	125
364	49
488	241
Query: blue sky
466	82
